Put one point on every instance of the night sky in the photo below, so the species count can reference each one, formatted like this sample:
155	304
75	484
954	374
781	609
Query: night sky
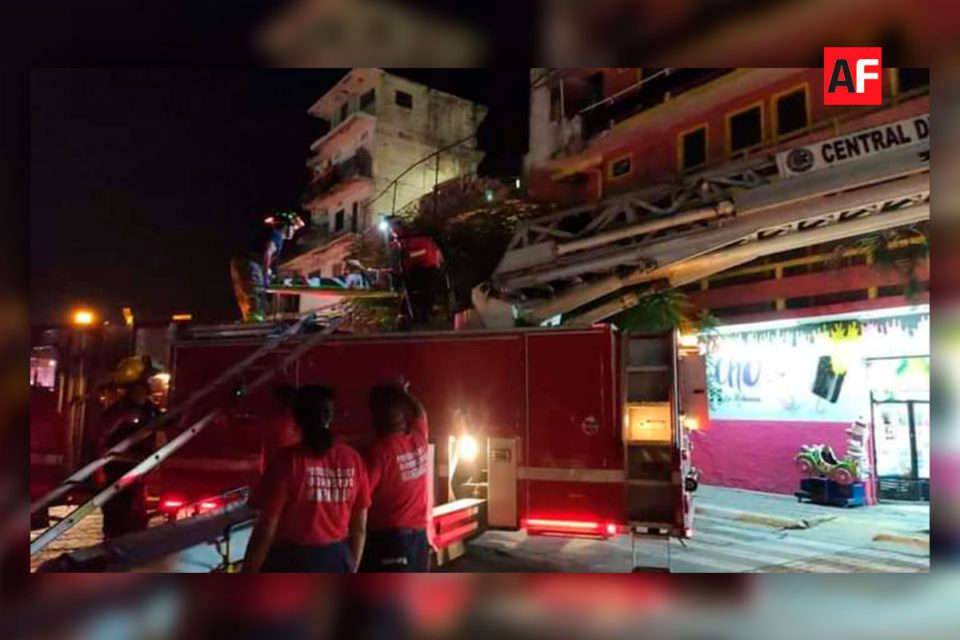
144	182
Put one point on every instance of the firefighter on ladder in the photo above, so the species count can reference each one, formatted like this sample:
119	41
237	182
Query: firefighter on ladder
252	270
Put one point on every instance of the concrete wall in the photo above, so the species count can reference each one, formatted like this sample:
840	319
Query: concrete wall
758	454
407	135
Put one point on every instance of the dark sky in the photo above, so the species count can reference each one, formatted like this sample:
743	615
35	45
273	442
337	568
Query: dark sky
144	182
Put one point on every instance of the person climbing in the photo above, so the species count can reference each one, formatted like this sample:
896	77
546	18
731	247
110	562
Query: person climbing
252	270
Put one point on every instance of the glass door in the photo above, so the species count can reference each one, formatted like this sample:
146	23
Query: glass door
901	431
921	427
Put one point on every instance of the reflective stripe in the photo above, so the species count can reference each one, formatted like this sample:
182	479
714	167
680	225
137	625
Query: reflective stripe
560	474
215	464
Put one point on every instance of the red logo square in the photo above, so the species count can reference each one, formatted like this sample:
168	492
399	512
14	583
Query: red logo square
852	75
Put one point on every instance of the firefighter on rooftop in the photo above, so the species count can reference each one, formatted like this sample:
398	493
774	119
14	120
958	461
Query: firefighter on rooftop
252	270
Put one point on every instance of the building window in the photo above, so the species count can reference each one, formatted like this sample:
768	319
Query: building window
790	109
620	167
338	221
343	111
910	79
353	218
403	99
367	100
692	148
745	128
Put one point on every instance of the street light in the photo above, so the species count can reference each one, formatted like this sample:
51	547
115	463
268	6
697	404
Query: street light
83	317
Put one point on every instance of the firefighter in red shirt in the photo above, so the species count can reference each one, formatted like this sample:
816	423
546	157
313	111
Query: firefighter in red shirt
398	464
313	498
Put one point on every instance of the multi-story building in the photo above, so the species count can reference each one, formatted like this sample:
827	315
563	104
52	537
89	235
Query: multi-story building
385	142
803	227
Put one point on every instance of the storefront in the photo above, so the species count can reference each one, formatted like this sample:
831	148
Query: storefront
776	386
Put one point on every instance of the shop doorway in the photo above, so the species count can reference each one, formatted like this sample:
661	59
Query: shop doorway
900	414
902	444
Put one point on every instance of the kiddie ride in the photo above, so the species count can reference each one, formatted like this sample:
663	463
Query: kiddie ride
832	480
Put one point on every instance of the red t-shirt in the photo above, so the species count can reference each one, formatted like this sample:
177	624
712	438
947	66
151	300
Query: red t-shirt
398	466
421	251
319	493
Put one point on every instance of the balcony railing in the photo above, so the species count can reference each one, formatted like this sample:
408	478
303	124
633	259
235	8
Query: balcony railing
360	165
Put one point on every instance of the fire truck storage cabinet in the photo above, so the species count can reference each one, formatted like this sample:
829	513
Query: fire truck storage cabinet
649	430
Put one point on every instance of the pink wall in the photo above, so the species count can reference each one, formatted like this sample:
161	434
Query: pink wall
758	454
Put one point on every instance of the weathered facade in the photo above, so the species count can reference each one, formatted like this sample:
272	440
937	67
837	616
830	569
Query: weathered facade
387	142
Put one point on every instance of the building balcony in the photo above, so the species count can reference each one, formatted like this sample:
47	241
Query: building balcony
354	125
359	167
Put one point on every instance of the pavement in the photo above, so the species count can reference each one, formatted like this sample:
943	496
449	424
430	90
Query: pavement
735	531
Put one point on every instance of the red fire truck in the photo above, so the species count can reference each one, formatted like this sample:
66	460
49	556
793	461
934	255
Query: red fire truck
570	431
563	431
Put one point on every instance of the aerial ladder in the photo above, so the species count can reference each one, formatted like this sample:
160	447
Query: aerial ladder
274	356
590	262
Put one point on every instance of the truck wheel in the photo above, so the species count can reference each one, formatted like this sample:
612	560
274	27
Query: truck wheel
40	519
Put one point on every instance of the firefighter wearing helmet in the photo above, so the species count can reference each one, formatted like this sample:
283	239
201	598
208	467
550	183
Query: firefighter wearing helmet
127	511
252	270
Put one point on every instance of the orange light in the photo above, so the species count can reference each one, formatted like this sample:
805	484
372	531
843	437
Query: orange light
691	424
83	317
181	317
540	523
128	316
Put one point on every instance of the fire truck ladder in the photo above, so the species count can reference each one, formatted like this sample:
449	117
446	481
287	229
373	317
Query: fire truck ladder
668	236
257	363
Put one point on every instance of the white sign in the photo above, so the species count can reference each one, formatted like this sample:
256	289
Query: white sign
809	373
854	146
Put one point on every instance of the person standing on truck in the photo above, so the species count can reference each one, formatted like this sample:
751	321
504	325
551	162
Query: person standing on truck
252	270
398	463
418	264
313	498
127	511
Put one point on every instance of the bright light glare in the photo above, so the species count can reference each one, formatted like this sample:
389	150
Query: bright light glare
384	226
164	378
83	317
467	447
688	340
